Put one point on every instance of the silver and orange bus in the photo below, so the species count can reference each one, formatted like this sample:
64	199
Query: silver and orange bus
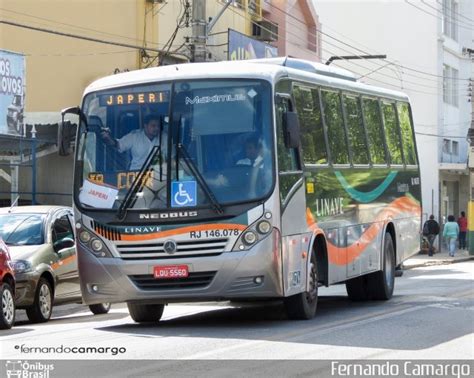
331	194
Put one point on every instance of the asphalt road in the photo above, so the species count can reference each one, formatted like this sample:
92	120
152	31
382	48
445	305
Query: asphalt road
431	316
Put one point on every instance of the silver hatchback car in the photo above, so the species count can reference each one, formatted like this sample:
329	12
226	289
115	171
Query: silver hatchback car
43	252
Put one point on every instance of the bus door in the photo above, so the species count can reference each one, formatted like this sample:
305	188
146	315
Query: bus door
292	199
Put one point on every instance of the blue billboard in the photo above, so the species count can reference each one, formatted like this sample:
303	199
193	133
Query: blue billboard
12	92
242	47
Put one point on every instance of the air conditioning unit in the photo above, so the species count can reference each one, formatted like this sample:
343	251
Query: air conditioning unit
265	30
155	1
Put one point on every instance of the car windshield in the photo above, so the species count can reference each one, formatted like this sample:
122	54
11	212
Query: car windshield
21	229
197	144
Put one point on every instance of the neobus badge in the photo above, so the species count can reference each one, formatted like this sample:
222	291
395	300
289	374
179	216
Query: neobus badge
174	214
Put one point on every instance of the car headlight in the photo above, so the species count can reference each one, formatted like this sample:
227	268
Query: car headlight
21	266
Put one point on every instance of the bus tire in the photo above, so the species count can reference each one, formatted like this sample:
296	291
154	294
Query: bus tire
382	283
303	306
357	289
100	308
145	313
42	307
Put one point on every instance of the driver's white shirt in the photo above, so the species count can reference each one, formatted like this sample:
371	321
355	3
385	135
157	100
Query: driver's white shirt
140	146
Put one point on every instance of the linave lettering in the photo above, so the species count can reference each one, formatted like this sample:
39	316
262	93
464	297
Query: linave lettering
141	229
215	98
329	206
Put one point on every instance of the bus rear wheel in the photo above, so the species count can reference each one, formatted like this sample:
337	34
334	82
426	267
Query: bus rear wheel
303	306
145	313
382	283
357	289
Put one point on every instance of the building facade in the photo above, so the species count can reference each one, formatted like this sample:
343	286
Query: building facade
425	59
67	45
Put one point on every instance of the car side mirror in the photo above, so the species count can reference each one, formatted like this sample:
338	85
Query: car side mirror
63	244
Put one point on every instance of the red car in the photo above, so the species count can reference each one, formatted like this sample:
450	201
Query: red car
7	288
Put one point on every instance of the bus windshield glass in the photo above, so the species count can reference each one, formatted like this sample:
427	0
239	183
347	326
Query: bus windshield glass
192	144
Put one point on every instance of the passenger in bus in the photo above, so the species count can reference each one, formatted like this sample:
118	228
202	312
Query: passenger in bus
140	142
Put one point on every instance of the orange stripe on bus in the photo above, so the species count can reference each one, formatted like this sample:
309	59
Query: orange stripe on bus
184	230
343	256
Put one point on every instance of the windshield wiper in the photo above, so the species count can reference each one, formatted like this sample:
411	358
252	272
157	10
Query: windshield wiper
216	206
138	182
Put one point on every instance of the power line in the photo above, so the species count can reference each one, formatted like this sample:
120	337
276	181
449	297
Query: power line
435	16
355	48
459	14
442	136
452	19
73	26
49	31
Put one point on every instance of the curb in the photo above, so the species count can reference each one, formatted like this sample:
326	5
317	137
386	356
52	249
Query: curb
437	262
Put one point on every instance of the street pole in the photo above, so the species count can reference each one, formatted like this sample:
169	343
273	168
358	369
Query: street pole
199	28
33	163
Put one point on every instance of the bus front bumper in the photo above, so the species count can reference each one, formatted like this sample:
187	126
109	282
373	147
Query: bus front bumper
253	273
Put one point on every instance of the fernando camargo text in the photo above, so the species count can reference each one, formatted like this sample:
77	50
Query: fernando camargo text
61	349
400	368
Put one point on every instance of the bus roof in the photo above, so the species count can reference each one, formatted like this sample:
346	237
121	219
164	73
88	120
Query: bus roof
269	69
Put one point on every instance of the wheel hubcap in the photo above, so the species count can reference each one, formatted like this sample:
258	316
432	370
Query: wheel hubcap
8	307
45	301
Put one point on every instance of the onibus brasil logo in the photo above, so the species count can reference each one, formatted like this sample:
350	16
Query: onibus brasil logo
27	369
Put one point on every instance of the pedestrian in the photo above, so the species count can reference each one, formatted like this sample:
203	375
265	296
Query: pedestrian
430	231
450	233
462	222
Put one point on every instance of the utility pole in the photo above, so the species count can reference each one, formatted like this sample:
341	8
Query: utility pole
199	28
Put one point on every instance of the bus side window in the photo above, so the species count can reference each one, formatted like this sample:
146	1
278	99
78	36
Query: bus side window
355	128
392	133
335	127
407	133
373	124
311	127
287	157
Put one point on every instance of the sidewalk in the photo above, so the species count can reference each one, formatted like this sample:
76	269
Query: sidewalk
439	258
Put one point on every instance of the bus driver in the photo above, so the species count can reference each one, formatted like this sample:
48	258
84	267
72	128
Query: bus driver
140	142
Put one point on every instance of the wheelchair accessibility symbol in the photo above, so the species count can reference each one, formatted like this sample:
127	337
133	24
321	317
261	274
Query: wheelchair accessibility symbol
183	193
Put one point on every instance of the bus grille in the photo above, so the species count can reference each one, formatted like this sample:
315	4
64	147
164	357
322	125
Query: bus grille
193	281
184	249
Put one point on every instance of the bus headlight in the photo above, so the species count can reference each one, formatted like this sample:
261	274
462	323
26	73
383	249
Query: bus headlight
250	237
97	245
264	227
85	237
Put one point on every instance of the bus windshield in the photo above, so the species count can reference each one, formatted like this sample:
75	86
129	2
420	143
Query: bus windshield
189	144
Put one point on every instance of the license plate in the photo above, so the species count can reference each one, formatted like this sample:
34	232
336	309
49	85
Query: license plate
170	271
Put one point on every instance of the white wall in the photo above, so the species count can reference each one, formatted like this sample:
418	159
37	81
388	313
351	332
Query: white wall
409	38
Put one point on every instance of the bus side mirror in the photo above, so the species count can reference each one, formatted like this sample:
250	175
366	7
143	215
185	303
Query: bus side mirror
64	132
291	129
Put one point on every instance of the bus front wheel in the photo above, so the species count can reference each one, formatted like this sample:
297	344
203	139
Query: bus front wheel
303	306
145	313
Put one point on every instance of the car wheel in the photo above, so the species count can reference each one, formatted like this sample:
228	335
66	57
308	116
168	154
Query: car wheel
42	307
7	317
145	313
101	308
